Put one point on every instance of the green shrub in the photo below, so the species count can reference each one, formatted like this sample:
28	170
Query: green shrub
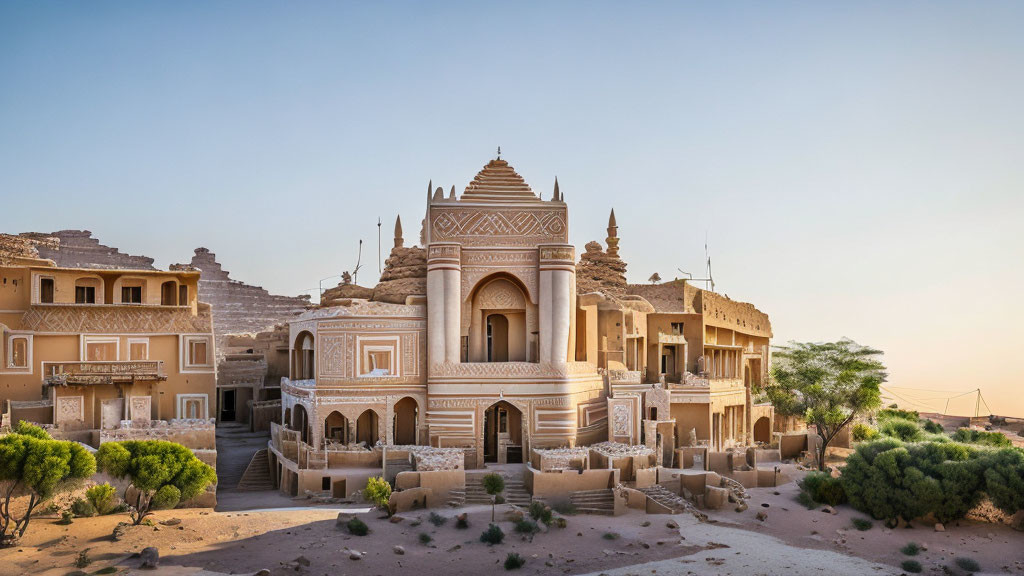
889	479
968	564
823	488
862	524
494	483
527	526
377	492
493	535
805	500
610	536
1004	478
912	566
102	497
911	549
166	497
357	527
897	414
514	561
540	512
436	519
900	429
994	439
933	427
863	432
425	538
82	508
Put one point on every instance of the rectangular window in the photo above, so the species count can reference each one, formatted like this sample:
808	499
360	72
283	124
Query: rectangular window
677	328
502	421
46	290
101	351
85	295
138	350
131	294
19	353
182	295
197	353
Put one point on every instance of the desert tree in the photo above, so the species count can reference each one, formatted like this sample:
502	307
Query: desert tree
35	466
494	484
827	384
162	474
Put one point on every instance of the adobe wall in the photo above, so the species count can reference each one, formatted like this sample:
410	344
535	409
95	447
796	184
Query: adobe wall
556	487
440	483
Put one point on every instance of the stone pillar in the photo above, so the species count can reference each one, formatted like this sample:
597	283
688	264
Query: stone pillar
443	310
557	287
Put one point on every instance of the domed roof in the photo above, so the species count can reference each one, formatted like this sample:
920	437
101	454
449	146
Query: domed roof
498	182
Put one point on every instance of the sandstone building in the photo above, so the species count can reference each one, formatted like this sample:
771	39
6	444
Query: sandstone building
99	354
491	342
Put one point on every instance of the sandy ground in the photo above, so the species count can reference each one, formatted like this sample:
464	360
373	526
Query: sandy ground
792	540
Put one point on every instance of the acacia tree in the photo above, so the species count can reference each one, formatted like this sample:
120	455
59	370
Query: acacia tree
34	465
828	384
161	473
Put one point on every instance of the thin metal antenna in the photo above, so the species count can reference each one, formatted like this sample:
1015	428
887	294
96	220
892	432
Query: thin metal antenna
359	260
378	246
707	256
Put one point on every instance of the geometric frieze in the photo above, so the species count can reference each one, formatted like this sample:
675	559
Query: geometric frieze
474	226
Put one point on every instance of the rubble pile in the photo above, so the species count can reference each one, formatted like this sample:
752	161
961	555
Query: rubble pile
617	449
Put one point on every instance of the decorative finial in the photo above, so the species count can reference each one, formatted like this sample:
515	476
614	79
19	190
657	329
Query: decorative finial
430	189
399	241
613	236
555	196
439	193
499	152
451	195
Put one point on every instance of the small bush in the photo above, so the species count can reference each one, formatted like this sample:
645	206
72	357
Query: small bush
994	439
540	512
499	499
377	492
436	519
166	497
911	549
823	488
862	524
933	427
527	526
610	536
494	483
968	564
461	522
900	429
863	432
493	535
102	498
425	538
357	527
514	561
565	509
805	500
82	508
912	566
897	414
83	559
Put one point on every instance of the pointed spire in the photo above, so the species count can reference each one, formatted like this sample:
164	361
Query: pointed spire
554	197
439	193
613	236
430	189
451	196
399	241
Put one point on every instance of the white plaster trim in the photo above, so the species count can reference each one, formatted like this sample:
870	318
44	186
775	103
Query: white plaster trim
183	348
138	341
86	339
8	364
181	404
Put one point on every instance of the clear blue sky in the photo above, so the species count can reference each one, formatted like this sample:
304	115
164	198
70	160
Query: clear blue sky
858	167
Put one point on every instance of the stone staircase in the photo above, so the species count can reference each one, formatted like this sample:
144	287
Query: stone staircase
672	501
594	501
515	493
257	475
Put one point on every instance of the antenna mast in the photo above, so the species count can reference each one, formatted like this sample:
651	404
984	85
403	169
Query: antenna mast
378	245
359	260
707	257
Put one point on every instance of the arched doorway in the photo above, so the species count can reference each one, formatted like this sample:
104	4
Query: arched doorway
169	293
498	321
366	428
337	428
303	357
763	430
301	422
503	434
406	421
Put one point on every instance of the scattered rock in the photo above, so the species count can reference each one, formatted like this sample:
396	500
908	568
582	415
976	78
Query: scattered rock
171	522
939	527
741	507
150	558
395	519
263	572
355	555
343	519
672	524
302	561
762	516
828	510
645	523
398	550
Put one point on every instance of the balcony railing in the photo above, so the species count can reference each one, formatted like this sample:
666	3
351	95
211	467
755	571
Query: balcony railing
64	373
666	338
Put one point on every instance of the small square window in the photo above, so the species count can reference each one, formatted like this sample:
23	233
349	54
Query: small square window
46	290
197	353
131	294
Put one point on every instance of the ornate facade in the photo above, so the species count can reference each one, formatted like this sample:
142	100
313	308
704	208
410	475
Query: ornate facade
504	342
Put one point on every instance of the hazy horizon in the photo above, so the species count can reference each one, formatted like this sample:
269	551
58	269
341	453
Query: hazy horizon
857	169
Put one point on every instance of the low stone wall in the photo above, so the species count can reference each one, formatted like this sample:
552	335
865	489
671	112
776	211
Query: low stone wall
556	487
353	459
194	434
548	459
439	483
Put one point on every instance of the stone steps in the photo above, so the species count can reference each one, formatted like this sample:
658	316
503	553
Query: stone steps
257	475
600	502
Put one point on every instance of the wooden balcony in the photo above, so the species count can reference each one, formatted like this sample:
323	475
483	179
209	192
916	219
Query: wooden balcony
93	373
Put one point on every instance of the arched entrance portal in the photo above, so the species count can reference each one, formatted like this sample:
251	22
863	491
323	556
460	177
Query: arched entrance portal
763	430
366	428
337	428
498	321
406	421
503	434
497	338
